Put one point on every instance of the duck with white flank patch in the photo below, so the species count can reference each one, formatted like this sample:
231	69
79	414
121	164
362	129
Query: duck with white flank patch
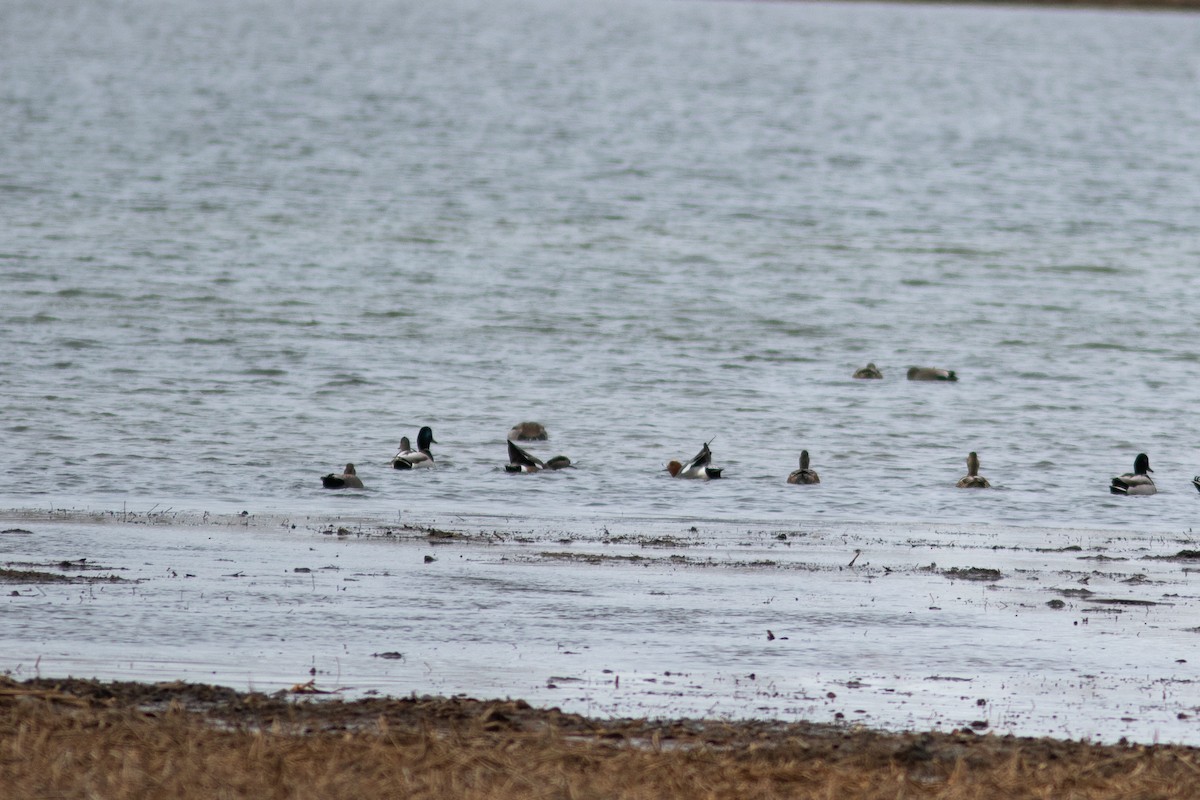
1136	482
521	461
698	467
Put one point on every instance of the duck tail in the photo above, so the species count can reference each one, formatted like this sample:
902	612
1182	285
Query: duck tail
1196	482
1118	487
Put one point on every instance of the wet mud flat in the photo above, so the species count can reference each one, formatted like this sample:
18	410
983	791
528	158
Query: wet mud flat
75	738
1076	634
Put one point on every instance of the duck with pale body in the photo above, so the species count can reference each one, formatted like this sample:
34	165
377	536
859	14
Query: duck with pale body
931	374
699	467
804	475
407	458
528	432
973	480
1136	482
347	480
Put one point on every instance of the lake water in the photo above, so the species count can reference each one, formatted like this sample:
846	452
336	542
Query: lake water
243	243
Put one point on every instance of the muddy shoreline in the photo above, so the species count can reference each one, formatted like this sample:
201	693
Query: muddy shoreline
81	738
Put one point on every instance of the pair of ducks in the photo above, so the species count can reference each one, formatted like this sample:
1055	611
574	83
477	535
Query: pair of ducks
406	458
700	467
519	460
871	372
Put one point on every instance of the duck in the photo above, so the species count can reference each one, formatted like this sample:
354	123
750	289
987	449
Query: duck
931	374
407	458
698	467
869	372
347	480
804	475
973	480
1196	482
521	461
1136	482
528	432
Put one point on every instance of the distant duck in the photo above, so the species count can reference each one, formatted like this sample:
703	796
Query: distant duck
973	480
869	372
521	461
1136	482
528	432
1196	482
804	474
347	480
698	467
931	374
407	458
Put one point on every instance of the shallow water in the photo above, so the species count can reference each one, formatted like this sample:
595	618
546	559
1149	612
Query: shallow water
245	243
639	618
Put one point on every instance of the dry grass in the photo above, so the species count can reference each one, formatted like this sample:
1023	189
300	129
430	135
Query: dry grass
81	739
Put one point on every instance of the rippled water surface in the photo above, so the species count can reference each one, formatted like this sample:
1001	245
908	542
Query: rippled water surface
244	243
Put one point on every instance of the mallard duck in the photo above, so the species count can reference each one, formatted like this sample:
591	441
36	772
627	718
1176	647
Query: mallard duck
408	458
698	467
973	480
528	432
931	374
869	372
347	480
804	474
1136	482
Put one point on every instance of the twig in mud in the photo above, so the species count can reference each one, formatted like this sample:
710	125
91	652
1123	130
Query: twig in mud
857	553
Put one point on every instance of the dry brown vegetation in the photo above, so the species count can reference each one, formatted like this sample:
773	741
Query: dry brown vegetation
83	739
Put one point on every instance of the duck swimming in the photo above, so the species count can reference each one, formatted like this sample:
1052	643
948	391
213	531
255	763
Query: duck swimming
869	372
528	432
347	480
973	480
407	458
1136	482
698	467
931	374
804	475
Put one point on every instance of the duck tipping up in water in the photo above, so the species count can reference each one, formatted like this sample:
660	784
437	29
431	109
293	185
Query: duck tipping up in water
804	474
870	371
931	374
698	467
973	480
347	480
521	461
528	432
1136	482
408	458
